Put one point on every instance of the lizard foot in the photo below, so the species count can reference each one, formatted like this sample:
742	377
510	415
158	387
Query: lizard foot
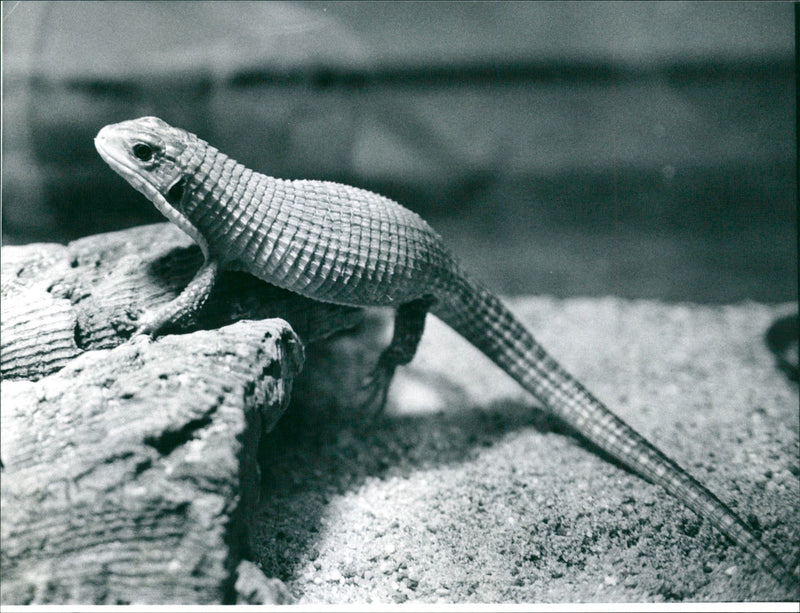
151	322
375	389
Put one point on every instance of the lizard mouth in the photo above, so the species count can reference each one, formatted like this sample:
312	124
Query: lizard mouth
104	143
109	145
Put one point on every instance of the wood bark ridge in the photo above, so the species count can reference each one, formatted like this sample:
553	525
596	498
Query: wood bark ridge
129	467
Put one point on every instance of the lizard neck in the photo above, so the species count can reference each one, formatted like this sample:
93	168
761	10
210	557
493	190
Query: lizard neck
226	202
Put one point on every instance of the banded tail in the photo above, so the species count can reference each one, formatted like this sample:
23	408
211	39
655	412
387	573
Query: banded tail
481	318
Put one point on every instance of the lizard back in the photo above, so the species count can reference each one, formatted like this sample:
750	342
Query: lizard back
325	240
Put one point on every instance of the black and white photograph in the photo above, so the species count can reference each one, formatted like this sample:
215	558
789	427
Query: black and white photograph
399	305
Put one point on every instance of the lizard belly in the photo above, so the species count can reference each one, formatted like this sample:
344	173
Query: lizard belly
343	281
340	245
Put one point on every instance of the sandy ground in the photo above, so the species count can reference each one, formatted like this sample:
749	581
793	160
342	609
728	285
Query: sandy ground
464	491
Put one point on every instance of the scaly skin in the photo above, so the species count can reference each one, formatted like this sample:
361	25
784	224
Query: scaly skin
345	245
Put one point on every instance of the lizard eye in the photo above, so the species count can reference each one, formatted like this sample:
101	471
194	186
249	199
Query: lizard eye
143	152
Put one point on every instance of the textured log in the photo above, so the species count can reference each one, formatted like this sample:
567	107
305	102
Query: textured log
130	468
127	474
37	328
59	301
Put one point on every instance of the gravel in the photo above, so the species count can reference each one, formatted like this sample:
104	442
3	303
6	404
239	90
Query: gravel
464	491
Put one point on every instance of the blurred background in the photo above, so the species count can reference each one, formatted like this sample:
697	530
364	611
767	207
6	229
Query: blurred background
644	150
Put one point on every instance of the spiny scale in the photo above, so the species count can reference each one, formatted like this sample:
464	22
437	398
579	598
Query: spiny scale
336	243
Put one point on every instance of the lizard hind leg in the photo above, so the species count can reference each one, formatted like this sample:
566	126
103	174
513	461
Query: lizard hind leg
409	324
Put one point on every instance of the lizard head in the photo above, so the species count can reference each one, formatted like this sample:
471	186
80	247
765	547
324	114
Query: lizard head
149	154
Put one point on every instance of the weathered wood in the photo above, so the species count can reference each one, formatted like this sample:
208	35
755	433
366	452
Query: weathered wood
59	301
130	468
127	474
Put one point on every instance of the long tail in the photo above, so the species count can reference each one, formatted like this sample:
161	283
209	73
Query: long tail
483	320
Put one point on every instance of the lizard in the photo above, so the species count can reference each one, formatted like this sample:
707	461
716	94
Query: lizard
345	245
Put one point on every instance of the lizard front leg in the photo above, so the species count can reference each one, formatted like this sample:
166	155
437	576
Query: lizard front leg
188	302
409	324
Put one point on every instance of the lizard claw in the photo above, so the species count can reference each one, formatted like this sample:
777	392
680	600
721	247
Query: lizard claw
141	331
150	323
375	387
